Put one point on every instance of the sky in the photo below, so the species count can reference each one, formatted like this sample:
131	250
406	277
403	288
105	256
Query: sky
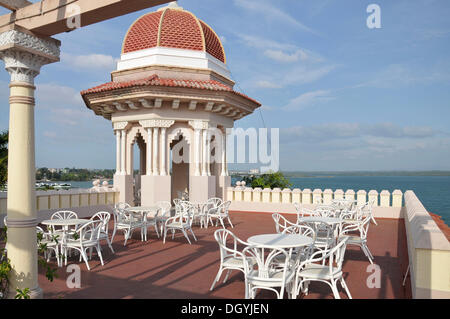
344	96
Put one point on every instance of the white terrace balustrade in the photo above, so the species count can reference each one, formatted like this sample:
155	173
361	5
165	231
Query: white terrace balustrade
84	201
386	205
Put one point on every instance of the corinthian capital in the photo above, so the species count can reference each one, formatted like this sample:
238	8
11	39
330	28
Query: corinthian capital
24	54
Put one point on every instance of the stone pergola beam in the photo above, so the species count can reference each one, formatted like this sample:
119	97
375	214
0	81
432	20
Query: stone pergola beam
50	17
13	5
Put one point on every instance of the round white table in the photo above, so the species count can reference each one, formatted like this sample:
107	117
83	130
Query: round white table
285	241
318	219
65	223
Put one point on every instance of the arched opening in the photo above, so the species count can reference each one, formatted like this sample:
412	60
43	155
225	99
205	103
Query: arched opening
179	166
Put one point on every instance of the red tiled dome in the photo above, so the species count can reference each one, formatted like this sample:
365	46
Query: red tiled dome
173	28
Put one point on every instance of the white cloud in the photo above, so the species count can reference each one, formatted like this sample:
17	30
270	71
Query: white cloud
272	13
90	61
263	84
281	56
307	100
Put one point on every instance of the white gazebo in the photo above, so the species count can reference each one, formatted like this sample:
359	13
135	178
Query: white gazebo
172	96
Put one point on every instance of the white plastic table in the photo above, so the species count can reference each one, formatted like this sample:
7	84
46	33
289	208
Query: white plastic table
65	223
284	241
319	219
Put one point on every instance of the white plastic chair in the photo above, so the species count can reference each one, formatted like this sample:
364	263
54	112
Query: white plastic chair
360	238
63	214
128	222
104	230
181	222
220	214
298	254
263	272
51	245
88	237
164	213
281	223
150	220
322	266
211	204
118	208
231	258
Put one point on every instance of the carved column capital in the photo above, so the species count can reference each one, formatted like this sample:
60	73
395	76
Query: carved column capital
199	125
24	54
119	125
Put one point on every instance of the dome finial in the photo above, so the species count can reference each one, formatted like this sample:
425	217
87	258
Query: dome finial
174	5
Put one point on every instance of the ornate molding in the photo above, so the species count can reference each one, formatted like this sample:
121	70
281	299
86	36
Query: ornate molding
21	223
156	123
120	125
24	54
46	47
199	125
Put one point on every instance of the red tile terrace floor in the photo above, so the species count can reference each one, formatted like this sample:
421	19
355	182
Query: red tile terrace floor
178	270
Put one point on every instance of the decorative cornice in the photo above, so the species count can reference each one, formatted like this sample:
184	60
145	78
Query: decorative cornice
199	125
156	123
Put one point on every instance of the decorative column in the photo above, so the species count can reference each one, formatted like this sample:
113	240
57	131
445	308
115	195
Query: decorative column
199	127
224	154
123	169
163	147
204	151
120	154
149	152
156	186
155	151
197	151
201	187
24	55
117	151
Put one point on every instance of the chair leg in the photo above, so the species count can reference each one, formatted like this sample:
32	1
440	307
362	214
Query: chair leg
83	254
156	229
229	220
227	275
186	235
110	245
219	273
99	252
193	235
165	233
344	285
335	290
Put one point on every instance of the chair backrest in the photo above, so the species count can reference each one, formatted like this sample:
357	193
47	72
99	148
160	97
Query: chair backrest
64	214
214	201
325	211
104	217
281	223
228	244
187	212
333	257
301	230
223	208
122	205
164	207
90	231
265	257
